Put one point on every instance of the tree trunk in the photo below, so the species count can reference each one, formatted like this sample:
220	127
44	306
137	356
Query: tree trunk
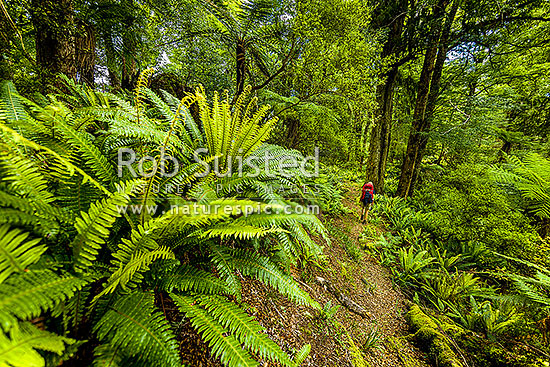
130	73
85	52
434	92
421	124
293	132
380	135
6	34
241	67
110	55
53	22
379	142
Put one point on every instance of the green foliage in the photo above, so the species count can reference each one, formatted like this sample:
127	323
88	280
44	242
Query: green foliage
107	238
20	346
133	324
531	177
464	206
15	254
28	294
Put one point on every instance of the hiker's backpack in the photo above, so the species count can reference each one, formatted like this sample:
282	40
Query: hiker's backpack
367	193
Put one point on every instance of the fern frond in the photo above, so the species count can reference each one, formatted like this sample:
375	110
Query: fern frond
190	124
222	259
187	278
225	347
252	264
19	349
138	263
16	217
244	328
71	168
107	355
237	231
25	178
91	154
10	102
302	354
140	330
93	226
26	295
15	253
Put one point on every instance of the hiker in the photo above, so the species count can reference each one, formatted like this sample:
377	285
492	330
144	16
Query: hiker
367	198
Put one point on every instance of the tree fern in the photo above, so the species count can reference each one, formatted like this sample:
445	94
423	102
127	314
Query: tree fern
16	253
134	325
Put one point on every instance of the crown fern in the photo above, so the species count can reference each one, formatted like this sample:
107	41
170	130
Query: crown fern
97	255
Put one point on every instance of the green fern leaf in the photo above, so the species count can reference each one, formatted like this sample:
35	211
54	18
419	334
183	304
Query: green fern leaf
225	347
15	254
26	295
244	328
138	263
107	355
19	349
187	278
134	325
92	155
93	227
302	354
259	267
10	103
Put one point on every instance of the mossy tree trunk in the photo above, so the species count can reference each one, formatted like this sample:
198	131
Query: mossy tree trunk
54	26
428	91
241	66
379	142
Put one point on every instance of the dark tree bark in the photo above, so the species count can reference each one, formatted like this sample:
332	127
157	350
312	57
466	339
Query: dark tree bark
379	142
5	45
293	132
241	66
85	43
110	54
53	22
434	93
130	72
428	91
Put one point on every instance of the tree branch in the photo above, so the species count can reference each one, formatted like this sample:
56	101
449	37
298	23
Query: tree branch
283	66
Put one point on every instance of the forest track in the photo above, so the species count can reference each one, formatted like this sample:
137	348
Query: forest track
362	281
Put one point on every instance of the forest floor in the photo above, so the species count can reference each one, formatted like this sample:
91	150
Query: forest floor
381	335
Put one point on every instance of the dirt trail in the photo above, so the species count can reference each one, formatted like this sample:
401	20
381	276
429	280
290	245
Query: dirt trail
364	281
360	277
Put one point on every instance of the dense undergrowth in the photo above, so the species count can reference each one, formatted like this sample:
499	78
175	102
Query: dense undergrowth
472	263
84	278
